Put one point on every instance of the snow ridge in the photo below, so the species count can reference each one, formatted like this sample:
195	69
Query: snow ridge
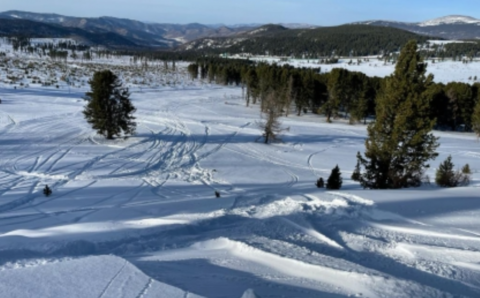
452	19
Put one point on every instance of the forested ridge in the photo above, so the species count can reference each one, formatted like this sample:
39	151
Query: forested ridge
356	40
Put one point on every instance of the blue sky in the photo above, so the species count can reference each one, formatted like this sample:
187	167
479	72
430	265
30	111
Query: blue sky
318	12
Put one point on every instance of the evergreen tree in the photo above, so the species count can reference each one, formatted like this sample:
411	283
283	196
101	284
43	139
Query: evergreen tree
320	183
356	175
252	85
193	71
335	180
400	141
337	92
47	191
476	118
271	126
461	103
446	176
109	109
466	169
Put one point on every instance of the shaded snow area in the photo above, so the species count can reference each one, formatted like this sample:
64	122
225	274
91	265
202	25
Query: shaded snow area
100	276
139	218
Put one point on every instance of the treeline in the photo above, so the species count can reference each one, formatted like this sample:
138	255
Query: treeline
355	40
298	90
340	93
458	51
162	55
19	42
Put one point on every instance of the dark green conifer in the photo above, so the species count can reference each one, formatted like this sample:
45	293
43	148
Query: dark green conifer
476	118
400	141
356	175
446	176
335	180
193	71
109	109
466	169
47	191
320	183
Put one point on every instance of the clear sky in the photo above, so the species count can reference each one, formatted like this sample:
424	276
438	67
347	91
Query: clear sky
317	12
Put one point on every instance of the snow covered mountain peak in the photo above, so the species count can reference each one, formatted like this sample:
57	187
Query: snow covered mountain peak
452	19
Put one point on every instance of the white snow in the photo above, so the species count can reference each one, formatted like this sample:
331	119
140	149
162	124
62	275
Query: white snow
139	218
99	276
453	19
443	71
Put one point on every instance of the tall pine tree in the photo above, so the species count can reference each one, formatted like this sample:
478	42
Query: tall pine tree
400	141
476	118
109	109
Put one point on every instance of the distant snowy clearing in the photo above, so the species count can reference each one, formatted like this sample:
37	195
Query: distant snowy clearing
443	71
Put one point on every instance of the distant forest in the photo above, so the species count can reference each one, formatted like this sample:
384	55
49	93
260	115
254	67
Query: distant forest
340	93
345	41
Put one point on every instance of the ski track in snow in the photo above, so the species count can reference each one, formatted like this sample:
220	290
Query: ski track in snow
150	200
112	280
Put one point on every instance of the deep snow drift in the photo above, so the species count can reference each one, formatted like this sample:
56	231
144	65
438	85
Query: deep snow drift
138	217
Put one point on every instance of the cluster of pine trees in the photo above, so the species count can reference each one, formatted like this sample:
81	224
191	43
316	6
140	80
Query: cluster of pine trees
458	51
299	90
406	105
340	93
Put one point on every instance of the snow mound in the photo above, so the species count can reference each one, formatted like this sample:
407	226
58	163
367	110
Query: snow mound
101	276
338	204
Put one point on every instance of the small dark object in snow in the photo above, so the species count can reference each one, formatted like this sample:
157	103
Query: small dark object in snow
320	183
47	191
217	194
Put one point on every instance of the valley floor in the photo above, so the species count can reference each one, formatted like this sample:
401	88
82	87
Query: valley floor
138	217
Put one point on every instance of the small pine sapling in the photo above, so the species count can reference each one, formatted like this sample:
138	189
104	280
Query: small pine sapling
446	176
356	175
47	191
335	180
320	183
466	169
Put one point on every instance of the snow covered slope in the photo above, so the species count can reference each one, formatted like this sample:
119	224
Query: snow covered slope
147	204
453	19
449	27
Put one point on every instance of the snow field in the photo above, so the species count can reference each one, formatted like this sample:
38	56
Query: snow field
138	217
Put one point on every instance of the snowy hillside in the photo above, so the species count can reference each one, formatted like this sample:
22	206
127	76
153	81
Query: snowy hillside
139	218
453	19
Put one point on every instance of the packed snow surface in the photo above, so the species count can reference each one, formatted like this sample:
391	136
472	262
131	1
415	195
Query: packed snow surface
139	218
98	276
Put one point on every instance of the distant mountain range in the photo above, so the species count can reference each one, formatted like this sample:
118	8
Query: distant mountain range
136	32
449	27
125	33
